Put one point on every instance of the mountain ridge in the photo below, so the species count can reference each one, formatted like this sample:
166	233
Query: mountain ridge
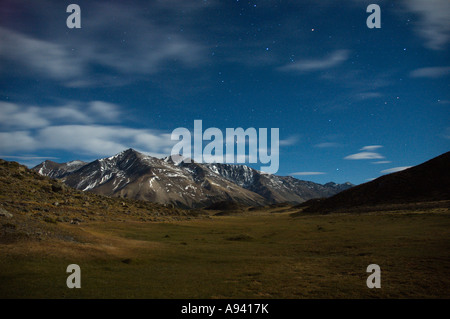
183	183
426	182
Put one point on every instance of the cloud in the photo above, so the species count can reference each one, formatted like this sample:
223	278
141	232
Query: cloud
17	140
333	60
434	21
382	162
80	127
117	50
103	140
104	110
38	56
367	153
431	72
14	115
371	147
395	169
291	140
364	155
307	173
30	157
93	140
327	145
19	116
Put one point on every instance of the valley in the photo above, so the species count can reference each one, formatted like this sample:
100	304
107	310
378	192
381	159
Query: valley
263	254
132	248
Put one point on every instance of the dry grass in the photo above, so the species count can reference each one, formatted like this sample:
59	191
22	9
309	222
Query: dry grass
258	255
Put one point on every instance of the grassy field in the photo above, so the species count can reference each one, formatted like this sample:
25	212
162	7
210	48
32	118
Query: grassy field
259	255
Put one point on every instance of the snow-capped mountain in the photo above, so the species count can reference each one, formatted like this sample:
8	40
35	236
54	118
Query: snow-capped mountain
275	188
57	170
169	181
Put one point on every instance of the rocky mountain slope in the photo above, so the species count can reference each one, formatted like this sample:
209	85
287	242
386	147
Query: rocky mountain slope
427	182
135	175
57	170
32	206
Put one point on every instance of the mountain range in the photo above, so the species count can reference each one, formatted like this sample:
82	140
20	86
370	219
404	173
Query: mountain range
186	184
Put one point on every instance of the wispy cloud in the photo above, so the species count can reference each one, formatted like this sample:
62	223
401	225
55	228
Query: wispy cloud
14	141
434	21
333	60
291	140
39	56
327	145
87	128
431	72
112	47
28	157
364	156
367	153
371	147
19	116
395	169
92	140
382	162
104	110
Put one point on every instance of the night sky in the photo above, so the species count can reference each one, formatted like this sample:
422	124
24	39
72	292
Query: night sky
351	103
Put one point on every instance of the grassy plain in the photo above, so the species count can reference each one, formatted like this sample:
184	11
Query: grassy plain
259	254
